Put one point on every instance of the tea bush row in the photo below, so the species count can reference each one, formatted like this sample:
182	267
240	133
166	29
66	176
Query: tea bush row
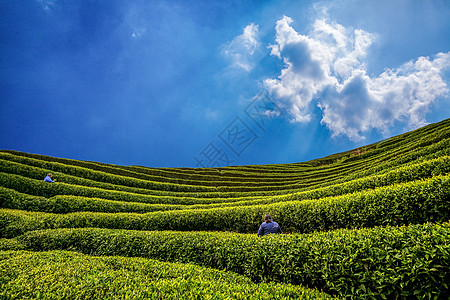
437	150
37	174
39	188
222	194
65	203
378	263
76	175
62	204
115	168
13	167
100	176
413	202
215	174
69	275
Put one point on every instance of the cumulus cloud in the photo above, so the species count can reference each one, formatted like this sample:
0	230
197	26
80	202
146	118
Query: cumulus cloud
404	94
241	50
327	68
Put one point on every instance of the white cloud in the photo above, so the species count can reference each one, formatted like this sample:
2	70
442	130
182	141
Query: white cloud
241	50
327	68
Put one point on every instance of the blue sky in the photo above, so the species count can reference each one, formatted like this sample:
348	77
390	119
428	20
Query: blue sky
215	83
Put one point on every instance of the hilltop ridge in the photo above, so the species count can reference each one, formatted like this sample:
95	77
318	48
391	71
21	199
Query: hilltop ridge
372	222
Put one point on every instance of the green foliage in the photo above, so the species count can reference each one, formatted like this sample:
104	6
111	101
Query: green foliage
10	244
65	204
404	180
68	275
44	189
415	146
412	202
381	262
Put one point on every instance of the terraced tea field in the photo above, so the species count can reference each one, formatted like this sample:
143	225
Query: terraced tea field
368	223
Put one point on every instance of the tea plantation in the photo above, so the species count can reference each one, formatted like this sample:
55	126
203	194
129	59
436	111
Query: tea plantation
371	223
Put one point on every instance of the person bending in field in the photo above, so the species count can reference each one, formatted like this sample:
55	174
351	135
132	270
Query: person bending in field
48	178
268	226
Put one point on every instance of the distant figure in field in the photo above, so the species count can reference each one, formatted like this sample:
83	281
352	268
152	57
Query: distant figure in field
48	178
268	226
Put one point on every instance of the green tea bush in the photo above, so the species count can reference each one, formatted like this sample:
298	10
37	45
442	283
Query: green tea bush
37	173
65	204
68	275
44	189
402	174
30	166
404	180
239	181
413	202
10	244
129	184
377	263
401	146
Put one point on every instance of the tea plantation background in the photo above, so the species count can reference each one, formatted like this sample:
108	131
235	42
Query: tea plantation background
369	223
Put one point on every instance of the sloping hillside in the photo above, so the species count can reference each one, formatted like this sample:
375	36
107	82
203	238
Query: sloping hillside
368	223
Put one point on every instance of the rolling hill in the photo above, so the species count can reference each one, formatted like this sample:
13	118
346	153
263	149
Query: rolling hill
368	223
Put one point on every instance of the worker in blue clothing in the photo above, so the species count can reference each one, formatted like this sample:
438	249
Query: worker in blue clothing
268	226
48	178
